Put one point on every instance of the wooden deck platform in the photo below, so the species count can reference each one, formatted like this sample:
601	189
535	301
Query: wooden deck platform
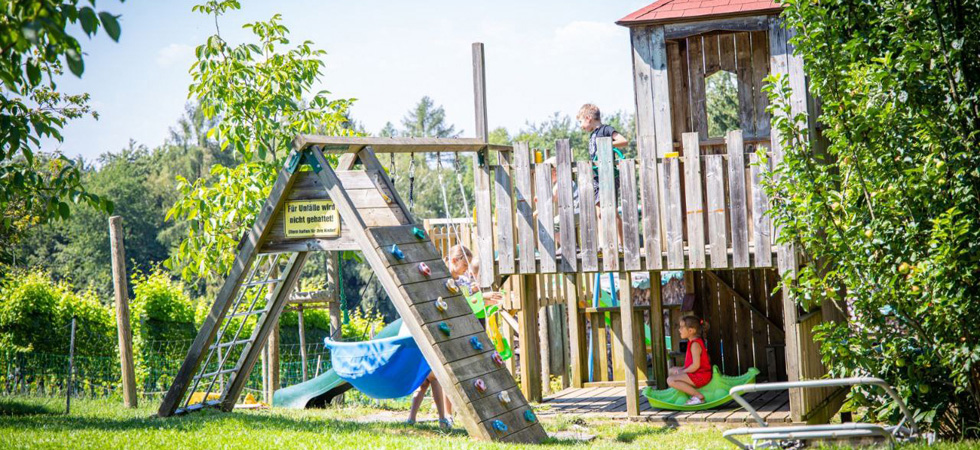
610	402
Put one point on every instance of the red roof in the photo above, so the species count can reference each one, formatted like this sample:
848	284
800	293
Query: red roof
662	11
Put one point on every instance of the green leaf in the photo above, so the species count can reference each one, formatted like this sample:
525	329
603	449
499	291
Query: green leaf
111	25
90	23
75	63
64	210
33	73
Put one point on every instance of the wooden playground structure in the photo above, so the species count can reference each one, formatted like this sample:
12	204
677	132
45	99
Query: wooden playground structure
688	202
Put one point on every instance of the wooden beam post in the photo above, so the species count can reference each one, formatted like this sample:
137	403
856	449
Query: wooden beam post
302	339
782	61
629	359
545	338
121	288
333	278
481	171
658	346
530	363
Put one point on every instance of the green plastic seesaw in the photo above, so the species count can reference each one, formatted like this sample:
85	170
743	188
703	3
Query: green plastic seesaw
715	392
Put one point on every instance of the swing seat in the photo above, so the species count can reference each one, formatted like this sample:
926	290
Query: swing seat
715	392
389	367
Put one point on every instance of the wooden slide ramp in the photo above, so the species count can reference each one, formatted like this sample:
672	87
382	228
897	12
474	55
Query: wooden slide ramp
375	221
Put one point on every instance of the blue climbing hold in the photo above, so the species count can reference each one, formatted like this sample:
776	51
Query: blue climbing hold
475	342
397	252
499	426
529	416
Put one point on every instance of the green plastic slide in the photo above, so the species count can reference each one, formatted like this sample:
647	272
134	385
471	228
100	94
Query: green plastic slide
319	391
715	392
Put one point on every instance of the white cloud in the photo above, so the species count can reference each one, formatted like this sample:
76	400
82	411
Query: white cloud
582	36
174	54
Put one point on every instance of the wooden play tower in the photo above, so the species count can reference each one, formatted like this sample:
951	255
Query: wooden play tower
691	204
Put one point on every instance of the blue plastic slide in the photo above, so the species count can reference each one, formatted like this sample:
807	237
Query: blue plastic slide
319	391
387	367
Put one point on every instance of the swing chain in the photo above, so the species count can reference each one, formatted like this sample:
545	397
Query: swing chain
411	183
392	168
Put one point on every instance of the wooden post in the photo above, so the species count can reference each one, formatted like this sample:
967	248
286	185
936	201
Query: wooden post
333	278
544	338
302	339
530	363
481	170
629	360
120	285
782	61
272	350
71	368
657	344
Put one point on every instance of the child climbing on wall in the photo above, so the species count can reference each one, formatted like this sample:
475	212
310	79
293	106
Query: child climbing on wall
590	119
465	270
697	368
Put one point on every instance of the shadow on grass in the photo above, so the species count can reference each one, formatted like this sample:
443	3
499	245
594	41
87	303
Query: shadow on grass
628	437
28	408
203	419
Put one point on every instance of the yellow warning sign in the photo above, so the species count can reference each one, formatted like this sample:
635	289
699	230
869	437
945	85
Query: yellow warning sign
311	218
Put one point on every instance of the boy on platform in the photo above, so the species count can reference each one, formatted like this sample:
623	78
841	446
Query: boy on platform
590	119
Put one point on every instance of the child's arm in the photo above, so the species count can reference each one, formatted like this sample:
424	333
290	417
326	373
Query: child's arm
619	141
696	357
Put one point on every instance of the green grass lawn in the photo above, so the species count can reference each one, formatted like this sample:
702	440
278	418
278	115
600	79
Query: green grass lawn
33	423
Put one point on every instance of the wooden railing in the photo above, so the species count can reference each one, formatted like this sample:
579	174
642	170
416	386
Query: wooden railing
668	221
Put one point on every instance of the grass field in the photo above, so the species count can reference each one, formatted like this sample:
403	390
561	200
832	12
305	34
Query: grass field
32	423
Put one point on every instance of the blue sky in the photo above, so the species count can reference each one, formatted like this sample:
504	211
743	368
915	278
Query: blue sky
542	57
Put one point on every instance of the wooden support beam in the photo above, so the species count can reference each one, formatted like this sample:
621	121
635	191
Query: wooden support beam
686	29
781	62
530	363
121	290
658	344
481	171
629	358
301	329
576	330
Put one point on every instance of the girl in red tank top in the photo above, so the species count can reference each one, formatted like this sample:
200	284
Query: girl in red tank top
697	368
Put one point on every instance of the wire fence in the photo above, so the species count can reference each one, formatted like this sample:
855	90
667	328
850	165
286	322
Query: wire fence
156	363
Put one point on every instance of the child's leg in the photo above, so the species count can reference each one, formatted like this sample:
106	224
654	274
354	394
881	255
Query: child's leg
438	398
683	383
417	400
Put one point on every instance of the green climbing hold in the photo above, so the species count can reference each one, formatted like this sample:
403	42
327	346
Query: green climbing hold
529	416
715	392
444	328
418	232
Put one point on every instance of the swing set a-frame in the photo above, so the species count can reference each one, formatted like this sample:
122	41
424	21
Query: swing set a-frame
363	212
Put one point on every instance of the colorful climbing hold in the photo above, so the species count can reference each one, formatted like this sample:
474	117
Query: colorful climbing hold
480	385
397	252
386	197
497	359
418	232
499	426
444	328
451	286
475	342
424	269
441	305
529	416
504	397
